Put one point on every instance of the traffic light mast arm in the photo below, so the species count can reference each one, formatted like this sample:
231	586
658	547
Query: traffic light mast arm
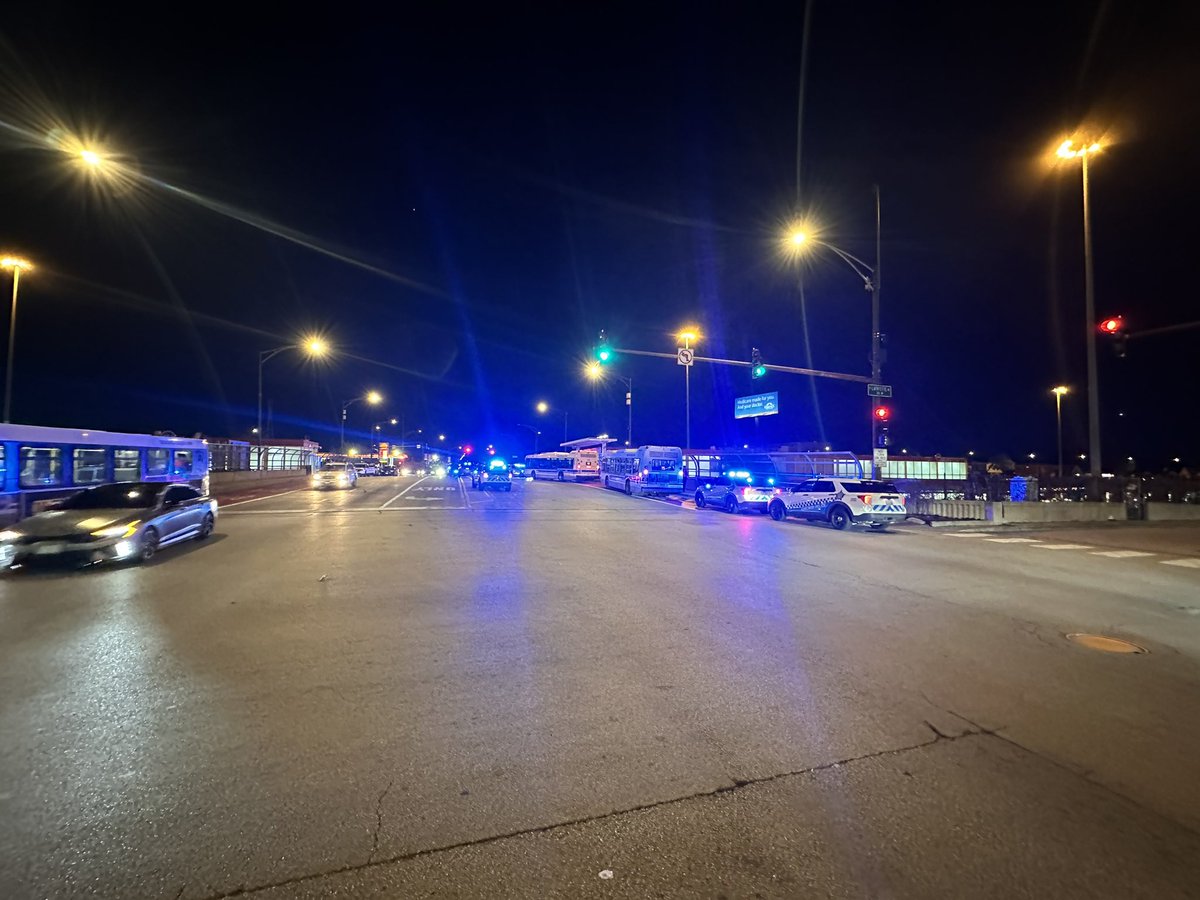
1166	329
795	370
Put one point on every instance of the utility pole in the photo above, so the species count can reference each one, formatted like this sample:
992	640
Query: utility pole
876	362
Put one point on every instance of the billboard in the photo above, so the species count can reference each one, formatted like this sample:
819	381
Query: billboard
756	405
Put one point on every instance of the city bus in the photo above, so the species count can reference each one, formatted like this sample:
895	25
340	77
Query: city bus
550	466
646	470
39	465
587	464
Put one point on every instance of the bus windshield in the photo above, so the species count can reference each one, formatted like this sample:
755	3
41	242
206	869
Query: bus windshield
115	496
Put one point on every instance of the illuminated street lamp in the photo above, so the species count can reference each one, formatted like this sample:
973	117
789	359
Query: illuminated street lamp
1068	151
16	265
313	346
372	397
799	240
689	335
1059	392
596	372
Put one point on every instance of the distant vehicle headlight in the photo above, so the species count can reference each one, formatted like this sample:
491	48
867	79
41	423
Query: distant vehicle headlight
117	531
10	535
440	471
342	479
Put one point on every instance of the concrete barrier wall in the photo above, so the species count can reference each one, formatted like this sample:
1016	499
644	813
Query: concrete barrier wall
1172	512
949	509
1002	513
226	483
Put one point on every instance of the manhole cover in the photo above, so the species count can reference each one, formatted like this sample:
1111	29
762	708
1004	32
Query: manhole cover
1107	644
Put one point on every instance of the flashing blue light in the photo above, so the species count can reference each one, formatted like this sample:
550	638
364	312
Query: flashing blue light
497	464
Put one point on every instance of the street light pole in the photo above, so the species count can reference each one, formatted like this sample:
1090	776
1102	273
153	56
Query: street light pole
876	362
1090	303
315	346
1058	395
15	265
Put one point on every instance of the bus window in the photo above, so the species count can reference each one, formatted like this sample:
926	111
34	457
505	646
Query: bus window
126	465
156	462
183	463
41	466
89	465
3	466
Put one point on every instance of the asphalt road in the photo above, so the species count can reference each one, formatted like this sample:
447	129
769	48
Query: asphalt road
415	689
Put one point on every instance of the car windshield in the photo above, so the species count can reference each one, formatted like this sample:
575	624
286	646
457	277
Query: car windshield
115	496
332	470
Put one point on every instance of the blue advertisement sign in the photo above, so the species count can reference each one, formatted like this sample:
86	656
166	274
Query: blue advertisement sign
756	405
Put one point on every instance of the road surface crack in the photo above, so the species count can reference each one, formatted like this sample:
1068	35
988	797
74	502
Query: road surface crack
734	785
378	822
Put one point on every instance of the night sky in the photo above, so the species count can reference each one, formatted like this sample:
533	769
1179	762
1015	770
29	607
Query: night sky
480	194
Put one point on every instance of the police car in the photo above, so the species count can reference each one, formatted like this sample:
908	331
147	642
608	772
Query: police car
841	502
495	477
735	490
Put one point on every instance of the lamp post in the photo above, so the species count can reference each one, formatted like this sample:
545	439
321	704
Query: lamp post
596	372
536	434
1068	151
16	265
543	407
314	346
1058	393
799	240
372	397
688	336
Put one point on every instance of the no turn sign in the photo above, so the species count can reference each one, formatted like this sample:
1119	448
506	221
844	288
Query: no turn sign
683	356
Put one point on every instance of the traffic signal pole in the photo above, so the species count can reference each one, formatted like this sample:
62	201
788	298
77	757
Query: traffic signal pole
794	370
876	362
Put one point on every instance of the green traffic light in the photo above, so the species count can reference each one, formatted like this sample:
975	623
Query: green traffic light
759	371
604	354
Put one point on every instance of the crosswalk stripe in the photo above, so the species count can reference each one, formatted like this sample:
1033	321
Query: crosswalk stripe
1120	554
1186	563
1064	547
1014	541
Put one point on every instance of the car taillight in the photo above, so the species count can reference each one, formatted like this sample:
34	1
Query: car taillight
865	498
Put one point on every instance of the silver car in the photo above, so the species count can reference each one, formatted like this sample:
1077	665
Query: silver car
130	520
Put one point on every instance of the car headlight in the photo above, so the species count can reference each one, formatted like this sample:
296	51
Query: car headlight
118	531
10	535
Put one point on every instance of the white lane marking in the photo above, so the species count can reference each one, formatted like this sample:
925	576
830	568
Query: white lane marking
1186	563
1013	541
967	534
1064	546
256	499
403	492
463	491
1120	554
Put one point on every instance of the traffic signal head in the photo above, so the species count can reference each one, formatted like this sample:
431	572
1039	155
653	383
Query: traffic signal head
759	371
1112	325
757	368
882	414
603	348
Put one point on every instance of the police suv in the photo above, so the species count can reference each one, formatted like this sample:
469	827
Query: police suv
841	502
734	490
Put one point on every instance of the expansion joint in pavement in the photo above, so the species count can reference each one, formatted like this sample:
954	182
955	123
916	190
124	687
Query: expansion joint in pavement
735	784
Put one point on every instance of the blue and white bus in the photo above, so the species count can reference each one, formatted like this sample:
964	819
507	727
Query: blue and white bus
646	470
551	466
39	465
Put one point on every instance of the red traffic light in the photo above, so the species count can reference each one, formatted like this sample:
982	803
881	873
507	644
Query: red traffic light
882	413
1112	325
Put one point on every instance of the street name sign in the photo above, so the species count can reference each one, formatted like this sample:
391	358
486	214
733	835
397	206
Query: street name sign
879	390
756	405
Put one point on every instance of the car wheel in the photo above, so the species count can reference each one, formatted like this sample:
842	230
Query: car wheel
628	488
700	501
206	527
839	518
148	546
777	510
731	504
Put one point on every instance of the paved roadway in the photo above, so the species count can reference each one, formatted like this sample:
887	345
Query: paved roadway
415	689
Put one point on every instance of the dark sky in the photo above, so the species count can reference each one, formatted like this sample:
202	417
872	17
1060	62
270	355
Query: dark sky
524	178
